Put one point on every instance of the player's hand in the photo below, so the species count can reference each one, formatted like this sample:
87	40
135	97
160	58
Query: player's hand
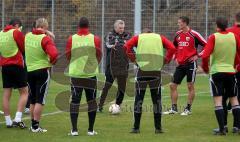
166	61
176	62
205	70
193	59
199	69
114	46
135	63
50	34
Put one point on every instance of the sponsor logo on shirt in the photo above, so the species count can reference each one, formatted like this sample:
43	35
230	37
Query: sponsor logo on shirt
183	43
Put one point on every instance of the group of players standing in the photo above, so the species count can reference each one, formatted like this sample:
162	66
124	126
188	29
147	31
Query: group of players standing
26	63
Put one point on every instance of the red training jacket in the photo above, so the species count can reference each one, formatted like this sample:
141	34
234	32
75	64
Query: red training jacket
236	30
186	44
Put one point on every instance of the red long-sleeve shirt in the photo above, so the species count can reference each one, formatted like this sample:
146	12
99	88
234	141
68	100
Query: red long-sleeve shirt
209	48
97	41
186	44
236	30
18	58
133	42
48	46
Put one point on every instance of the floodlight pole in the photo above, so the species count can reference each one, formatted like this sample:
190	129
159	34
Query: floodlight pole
103	21
3	13
53	10
138	17
154	15
206	20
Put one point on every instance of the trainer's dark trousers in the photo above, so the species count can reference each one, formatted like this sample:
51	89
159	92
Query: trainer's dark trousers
153	79
121	82
77	87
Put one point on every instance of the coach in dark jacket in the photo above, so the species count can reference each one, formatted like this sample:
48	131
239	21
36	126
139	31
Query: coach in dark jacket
116	62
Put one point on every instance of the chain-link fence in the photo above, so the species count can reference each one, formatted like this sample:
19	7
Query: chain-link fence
160	15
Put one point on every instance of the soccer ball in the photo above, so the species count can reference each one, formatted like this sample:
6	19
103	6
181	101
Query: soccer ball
114	109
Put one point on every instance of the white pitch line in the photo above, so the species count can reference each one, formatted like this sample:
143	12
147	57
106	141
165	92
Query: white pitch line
58	112
45	114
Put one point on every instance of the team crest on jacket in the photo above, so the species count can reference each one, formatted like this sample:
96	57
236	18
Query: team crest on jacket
187	38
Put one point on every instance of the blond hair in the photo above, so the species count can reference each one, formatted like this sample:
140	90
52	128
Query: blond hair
41	22
118	22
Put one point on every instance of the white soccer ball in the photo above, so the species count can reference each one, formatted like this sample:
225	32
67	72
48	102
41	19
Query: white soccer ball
114	109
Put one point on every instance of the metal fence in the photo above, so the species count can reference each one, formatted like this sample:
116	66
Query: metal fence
160	15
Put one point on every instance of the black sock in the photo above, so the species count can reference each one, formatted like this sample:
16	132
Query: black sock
174	107
137	118
188	107
219	112
91	120
157	121
225	115
236	116
35	124
74	111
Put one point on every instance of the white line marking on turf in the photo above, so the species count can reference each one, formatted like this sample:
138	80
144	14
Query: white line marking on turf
58	112
45	114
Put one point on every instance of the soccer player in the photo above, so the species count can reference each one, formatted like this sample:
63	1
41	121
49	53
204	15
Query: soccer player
14	75
116	62
222	48
41	53
150	50
236	30
186	42
83	50
51	35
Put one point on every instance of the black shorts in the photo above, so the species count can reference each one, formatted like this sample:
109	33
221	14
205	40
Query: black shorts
188	69
153	78
223	84
14	76
38	82
89	85
83	83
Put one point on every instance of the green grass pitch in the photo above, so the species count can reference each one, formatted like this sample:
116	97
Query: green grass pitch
195	128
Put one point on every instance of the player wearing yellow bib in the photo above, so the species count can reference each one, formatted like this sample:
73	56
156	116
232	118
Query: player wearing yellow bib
222	48
14	74
150	58
51	52
41	53
83	50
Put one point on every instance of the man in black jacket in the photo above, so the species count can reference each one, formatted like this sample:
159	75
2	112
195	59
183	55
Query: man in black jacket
116	62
